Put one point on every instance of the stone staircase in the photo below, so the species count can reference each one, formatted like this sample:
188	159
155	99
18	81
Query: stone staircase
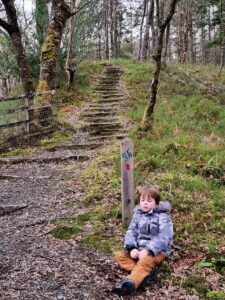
100	124
101	118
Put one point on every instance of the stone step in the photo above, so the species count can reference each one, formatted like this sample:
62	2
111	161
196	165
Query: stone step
101	109
106	84
103	132
97	114
106	137
102	125
107	100
101	105
104	108
96	119
108	81
110	95
70	146
113	71
44	159
105	89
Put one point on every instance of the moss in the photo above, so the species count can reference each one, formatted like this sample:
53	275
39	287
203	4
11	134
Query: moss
65	229
109	245
42	87
215	295
57	138
165	269
64	232
16	152
198	283
49	50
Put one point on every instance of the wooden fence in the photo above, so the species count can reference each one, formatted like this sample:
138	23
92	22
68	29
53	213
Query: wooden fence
20	118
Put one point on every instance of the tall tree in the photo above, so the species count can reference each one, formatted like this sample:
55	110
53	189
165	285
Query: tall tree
106	6
60	12
12	27
149	21
141	29
222	34
161	24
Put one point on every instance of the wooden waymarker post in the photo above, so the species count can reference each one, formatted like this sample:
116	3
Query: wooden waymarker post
127	180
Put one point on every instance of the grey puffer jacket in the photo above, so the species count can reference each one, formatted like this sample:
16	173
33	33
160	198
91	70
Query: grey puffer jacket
152	231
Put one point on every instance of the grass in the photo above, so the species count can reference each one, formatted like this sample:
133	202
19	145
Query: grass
183	155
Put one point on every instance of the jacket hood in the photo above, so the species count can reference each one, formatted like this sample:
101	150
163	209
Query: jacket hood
163	207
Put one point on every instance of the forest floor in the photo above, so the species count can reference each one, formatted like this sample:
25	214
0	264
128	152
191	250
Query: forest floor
36	190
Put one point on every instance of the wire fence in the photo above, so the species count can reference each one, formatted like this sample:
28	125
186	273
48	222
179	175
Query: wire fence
21	120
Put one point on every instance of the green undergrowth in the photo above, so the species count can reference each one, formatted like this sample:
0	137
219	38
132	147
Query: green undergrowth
183	155
58	137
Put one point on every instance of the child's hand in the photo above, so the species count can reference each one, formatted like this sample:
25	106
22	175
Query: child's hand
142	254
134	253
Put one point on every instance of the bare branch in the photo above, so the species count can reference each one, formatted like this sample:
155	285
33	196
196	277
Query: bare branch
80	8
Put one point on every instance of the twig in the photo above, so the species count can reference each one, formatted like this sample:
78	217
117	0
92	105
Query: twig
80	8
33	224
49	258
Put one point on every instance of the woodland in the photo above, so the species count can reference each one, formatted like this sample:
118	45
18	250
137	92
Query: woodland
76	78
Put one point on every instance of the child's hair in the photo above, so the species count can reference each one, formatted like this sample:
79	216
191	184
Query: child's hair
150	190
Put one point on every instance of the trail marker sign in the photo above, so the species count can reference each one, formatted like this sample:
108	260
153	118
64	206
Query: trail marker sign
127	180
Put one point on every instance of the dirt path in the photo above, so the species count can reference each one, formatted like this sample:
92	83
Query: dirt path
34	264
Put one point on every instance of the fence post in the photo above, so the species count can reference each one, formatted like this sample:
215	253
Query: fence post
127	180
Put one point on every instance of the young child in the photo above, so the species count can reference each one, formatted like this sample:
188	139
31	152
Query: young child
148	240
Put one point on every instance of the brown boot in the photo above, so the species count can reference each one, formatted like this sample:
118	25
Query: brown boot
144	267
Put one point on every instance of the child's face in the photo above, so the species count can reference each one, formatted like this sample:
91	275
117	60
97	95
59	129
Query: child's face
147	202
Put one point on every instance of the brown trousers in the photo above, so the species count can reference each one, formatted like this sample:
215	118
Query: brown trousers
139	268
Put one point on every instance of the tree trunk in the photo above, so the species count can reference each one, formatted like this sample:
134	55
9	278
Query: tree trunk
154	34
148	116
203	43
222	33
147	29
166	43
116	29
14	32
141	29
4	86
192	43
111	32
119	29
60	12
69	59
185	43
106	29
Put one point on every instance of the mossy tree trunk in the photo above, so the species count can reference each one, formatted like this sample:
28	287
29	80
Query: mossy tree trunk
13	30
60	12
148	115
